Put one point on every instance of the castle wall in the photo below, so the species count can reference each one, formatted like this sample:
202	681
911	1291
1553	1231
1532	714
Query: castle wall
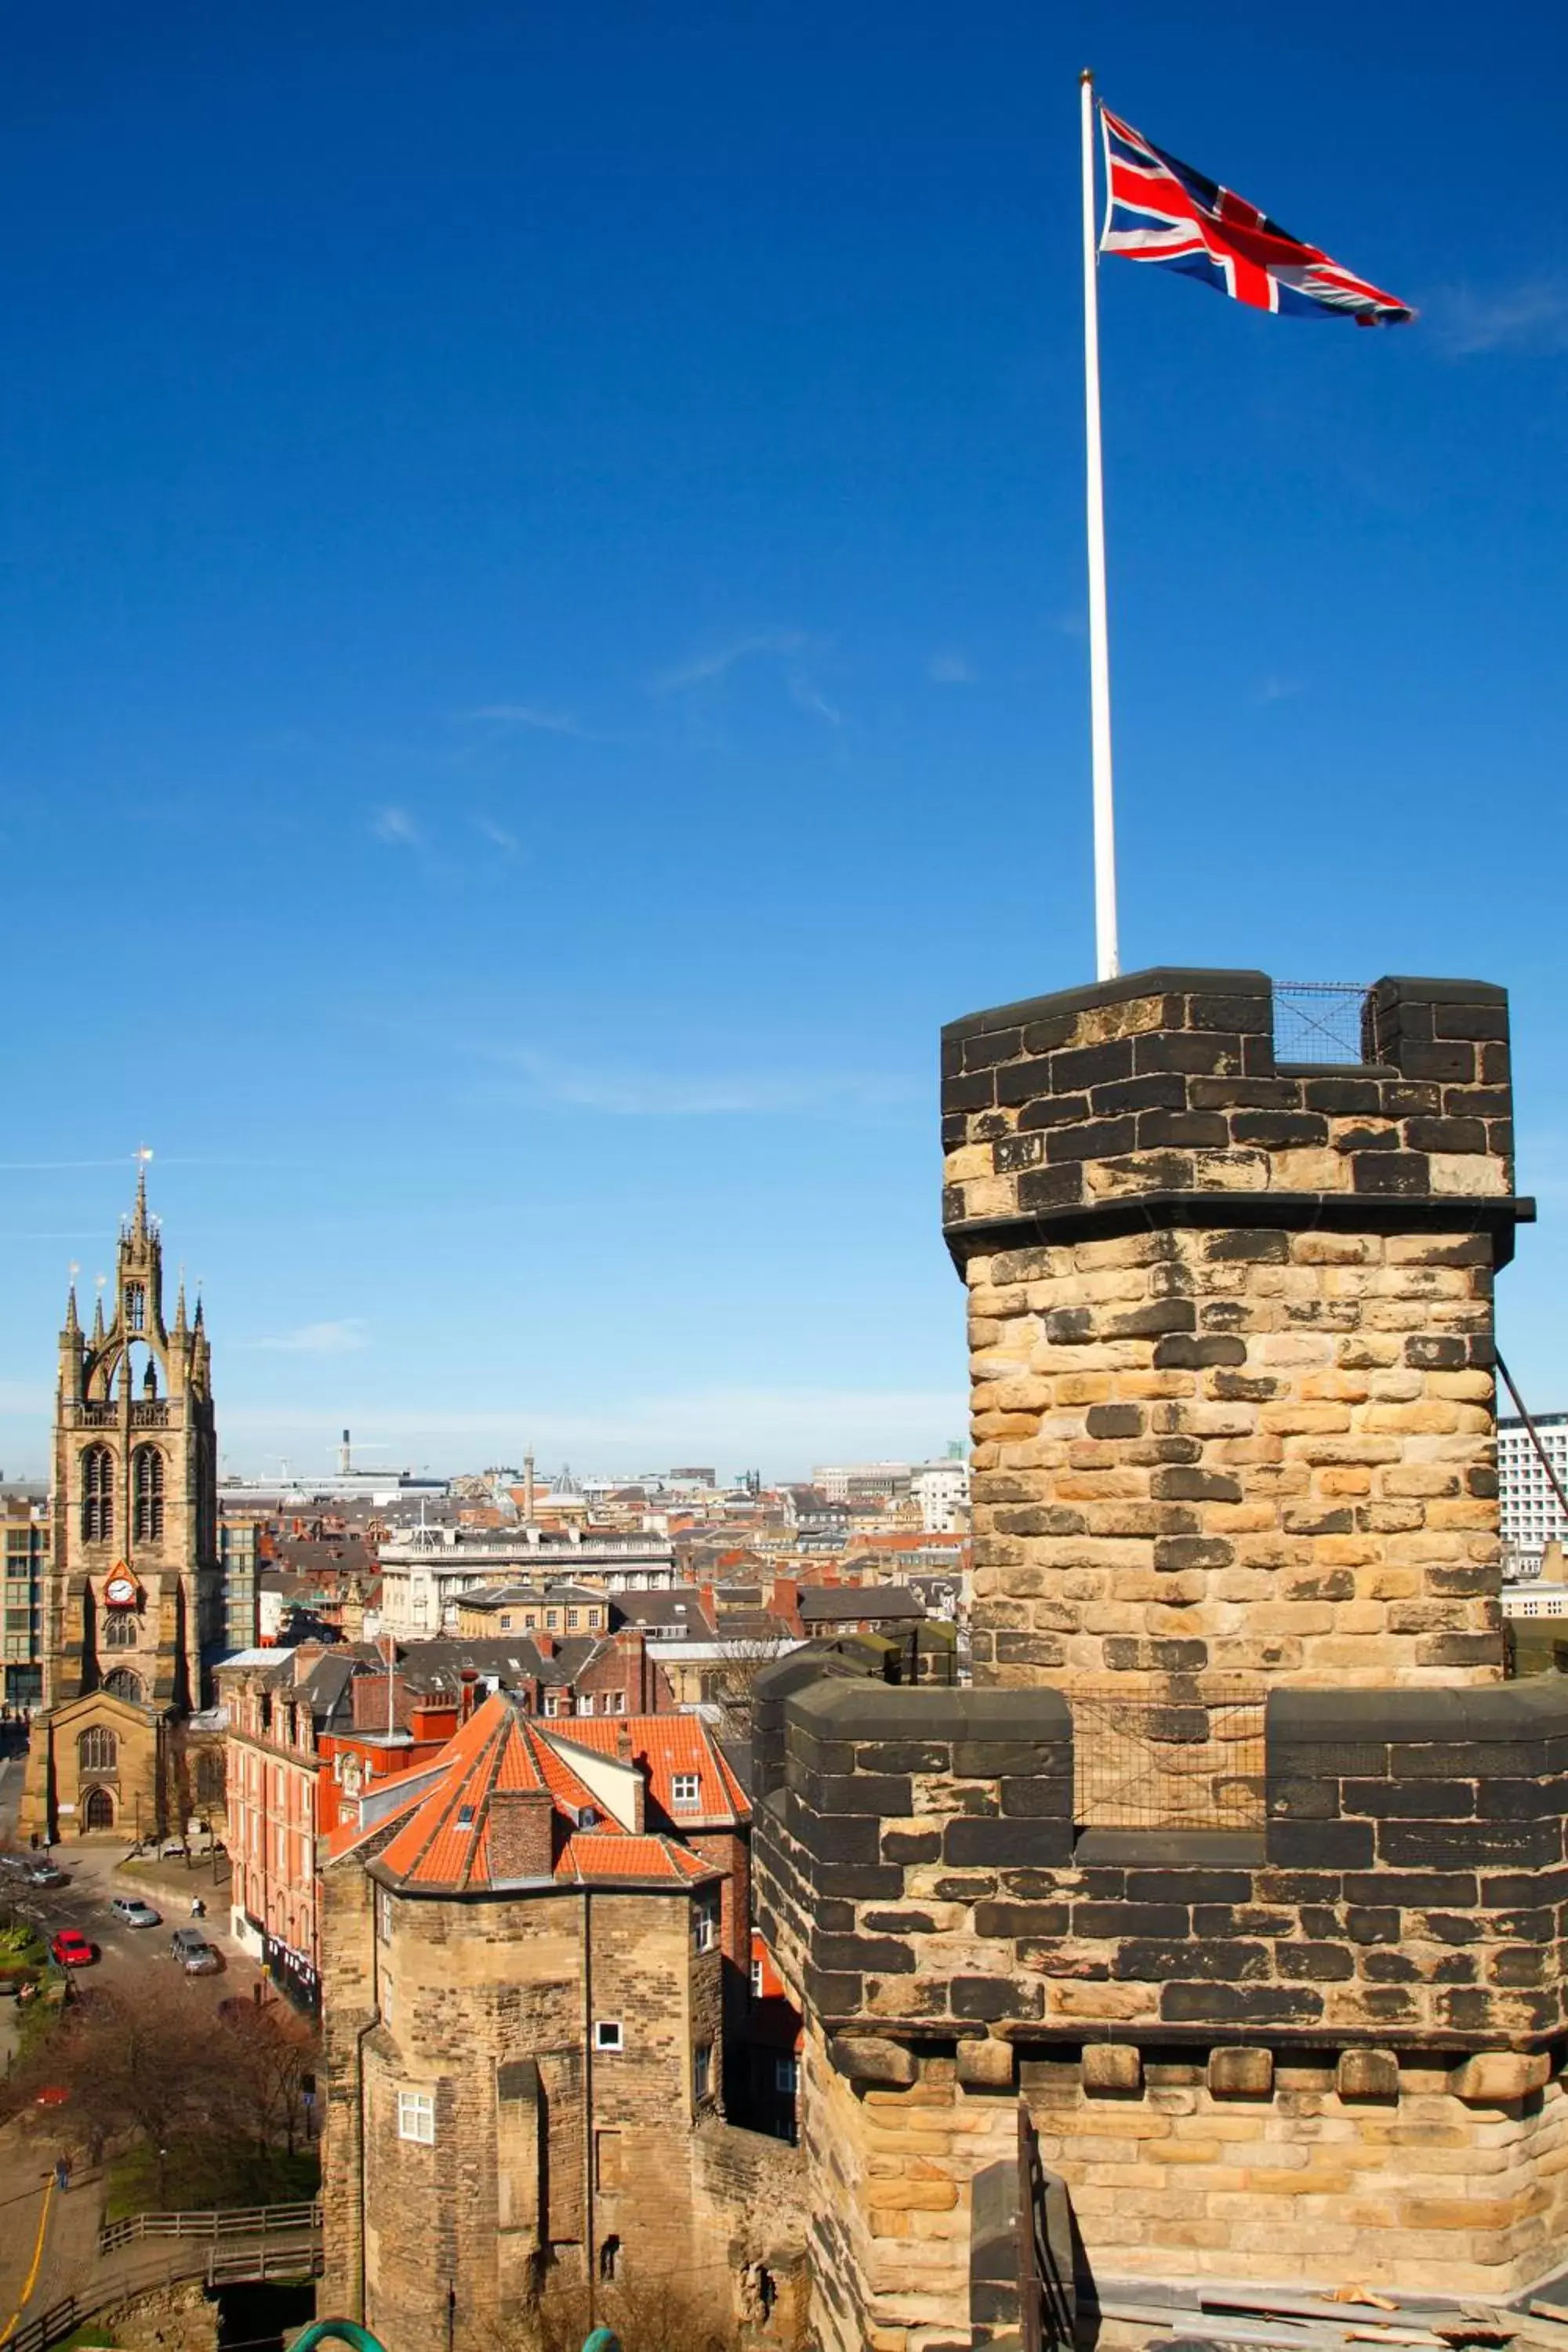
1230	1333
544	2150
1243	1867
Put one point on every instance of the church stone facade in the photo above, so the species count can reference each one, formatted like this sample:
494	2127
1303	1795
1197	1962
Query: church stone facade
133	1600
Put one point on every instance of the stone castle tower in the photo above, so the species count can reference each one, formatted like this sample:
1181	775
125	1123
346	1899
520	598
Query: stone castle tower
1242	1867
134	1595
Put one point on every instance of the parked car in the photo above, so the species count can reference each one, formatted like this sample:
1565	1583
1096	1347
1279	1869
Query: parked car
195	1954
16	1861
44	1874
72	1949
171	1846
134	1913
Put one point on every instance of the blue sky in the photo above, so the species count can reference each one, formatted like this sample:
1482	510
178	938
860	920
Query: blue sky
543	658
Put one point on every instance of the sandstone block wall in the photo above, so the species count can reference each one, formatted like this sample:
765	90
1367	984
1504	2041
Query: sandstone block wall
1248	2056
1231	1335
545	2153
922	1874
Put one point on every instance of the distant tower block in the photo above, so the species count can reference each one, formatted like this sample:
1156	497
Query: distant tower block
1231	1335
345	1456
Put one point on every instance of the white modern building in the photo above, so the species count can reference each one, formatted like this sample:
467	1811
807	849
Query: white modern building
1530	1514
863	1482
423	1574
941	1490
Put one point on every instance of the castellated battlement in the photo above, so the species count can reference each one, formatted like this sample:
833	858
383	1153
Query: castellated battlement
1241	1864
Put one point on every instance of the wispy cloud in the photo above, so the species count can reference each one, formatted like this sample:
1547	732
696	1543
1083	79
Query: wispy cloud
528	717
396	828
1277	689
342	1338
497	836
951	668
771	645
789	650
1531	316
806	695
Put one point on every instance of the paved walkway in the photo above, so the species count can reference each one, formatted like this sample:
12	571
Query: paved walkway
68	2261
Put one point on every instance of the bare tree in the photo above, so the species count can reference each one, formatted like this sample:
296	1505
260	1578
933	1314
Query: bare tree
730	1681
274	2054
154	2066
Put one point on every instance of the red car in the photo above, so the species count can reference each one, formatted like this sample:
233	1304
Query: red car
71	1948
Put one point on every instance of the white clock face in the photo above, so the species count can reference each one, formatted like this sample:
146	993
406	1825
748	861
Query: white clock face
120	1592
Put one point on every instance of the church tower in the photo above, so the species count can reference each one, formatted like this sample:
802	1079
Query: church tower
134	1598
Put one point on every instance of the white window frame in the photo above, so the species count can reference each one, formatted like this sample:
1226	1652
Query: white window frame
705	1923
756	1981
416	2118
609	2038
686	1791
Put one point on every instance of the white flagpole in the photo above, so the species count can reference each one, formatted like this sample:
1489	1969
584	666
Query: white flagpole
1107	958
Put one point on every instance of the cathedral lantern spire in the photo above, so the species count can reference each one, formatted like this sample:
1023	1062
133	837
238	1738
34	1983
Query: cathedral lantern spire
98	1321
73	1326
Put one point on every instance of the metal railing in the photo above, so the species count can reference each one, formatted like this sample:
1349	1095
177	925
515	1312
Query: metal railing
222	2221
1158	1764
1320	1021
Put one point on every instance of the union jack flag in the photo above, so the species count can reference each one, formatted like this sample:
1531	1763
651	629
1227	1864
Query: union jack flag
1160	210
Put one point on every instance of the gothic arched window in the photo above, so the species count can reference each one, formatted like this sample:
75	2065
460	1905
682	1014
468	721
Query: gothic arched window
123	1684
135	1307
147	1491
97	1495
120	1628
97	1750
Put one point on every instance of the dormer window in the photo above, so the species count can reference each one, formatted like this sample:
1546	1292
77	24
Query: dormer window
686	1787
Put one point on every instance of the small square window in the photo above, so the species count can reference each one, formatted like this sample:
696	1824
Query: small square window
607	2033
686	1787
417	2116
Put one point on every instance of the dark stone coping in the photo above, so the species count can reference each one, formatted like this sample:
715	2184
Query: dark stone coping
1032	2039
1415	988
1159	979
1362	1213
1484	1713
1181	979
866	1710
1173	1849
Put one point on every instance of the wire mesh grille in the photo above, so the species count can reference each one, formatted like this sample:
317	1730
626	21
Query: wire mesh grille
1319	1020
1141	1764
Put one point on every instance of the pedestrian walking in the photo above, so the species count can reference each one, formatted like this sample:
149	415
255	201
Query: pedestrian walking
62	2173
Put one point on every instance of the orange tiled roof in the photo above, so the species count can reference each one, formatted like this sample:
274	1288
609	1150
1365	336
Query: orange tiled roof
598	1854
665	1745
441	1839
